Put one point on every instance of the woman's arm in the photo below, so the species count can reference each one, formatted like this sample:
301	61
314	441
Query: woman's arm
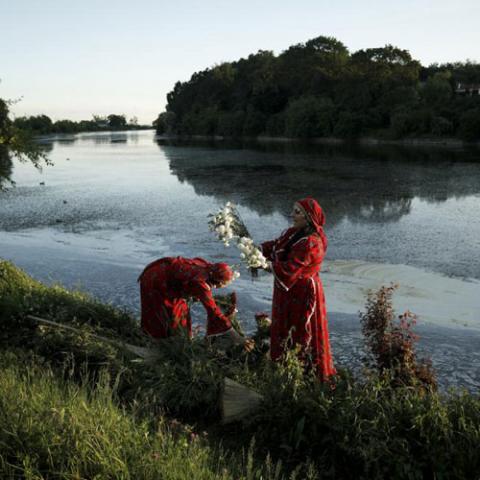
217	322
267	249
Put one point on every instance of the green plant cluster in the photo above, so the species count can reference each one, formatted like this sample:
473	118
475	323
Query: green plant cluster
364	428
391	343
320	89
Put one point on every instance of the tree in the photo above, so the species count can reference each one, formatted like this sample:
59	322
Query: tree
309	117
17	142
165	123
378	91
65	126
116	121
37	124
437	90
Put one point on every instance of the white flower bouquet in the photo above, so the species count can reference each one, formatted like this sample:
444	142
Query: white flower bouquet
229	226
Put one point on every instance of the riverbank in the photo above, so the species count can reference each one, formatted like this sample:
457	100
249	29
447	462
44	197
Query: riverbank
452	143
360	429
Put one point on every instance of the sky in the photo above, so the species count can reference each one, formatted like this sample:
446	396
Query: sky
70	59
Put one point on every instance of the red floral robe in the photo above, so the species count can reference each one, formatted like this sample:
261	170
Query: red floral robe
298	307
165	286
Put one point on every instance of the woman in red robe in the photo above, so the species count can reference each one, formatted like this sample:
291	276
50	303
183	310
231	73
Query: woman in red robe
167	284
299	316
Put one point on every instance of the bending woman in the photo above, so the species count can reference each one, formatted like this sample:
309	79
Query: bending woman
298	309
167	284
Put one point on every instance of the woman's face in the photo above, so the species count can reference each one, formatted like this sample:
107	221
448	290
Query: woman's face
298	217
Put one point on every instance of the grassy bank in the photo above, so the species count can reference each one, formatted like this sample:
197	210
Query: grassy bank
58	428
358	429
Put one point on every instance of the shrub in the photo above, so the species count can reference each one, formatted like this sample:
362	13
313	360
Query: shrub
391	344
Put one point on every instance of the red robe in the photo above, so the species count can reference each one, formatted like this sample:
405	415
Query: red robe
298	307
165	286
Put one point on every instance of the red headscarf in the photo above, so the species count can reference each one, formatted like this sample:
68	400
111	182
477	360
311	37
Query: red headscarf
221	273
315	217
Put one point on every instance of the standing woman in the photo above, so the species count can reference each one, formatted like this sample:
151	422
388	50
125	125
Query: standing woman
299	316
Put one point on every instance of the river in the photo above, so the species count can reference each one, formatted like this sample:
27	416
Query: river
113	202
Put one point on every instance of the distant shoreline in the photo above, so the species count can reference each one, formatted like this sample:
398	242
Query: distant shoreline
46	136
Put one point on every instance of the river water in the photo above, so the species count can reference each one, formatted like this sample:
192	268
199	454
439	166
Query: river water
113	202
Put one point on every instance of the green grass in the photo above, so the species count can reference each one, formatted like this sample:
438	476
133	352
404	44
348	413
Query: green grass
360	429
51	428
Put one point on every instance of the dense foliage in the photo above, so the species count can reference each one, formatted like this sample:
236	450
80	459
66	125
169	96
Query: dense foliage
320	89
370	428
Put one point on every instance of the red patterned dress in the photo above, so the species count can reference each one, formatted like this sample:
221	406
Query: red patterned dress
165	287
298	308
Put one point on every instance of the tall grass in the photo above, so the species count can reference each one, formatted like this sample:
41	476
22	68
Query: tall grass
60	429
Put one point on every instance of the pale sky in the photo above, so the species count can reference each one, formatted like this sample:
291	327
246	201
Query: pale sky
71	59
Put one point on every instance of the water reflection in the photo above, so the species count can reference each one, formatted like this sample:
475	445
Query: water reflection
100	138
365	185
6	163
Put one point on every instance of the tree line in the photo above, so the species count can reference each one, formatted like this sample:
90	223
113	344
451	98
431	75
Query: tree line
320	89
43	125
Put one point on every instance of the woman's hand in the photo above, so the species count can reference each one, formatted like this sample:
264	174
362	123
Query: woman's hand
269	268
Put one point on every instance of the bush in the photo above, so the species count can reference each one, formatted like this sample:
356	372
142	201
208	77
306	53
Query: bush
391	344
